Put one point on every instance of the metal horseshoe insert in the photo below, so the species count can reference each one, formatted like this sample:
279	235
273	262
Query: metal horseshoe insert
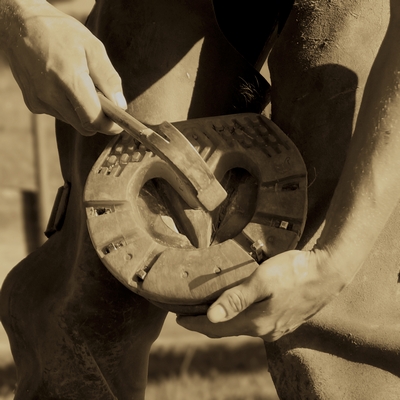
142	246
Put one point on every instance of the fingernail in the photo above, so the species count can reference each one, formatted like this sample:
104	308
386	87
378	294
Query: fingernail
120	100
114	130
216	313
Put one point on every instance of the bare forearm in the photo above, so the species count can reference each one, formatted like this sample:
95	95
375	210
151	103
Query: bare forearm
8	17
368	189
58	63
12	13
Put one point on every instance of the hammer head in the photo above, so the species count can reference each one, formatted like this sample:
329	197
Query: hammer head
167	142
179	153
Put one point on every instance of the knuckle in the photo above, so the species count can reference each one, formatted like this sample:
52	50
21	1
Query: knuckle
273	337
90	127
100	45
269	338
114	80
259	331
237	301
94	45
87	133
97	52
102	60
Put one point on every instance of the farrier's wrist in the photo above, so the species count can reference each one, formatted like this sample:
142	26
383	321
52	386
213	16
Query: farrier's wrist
13	16
335	264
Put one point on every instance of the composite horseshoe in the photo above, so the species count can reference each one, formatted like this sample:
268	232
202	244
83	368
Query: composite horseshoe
154	236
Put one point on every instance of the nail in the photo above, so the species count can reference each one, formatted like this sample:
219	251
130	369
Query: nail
216	313
120	100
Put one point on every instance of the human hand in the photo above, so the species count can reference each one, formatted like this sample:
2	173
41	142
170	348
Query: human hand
278	297
57	63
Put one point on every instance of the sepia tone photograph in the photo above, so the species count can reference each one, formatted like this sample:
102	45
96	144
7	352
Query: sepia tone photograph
199	200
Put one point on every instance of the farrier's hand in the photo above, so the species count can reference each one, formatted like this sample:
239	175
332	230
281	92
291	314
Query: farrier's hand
57	63
278	297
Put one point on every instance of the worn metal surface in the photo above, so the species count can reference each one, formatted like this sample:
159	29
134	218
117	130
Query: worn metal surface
168	143
262	216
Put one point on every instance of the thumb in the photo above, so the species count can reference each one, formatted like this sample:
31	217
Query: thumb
234	301
106	78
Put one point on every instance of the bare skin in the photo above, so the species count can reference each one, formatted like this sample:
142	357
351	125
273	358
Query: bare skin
58	63
290	288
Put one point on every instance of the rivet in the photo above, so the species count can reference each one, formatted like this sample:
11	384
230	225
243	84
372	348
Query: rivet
284	225
128	257
257	248
137	156
119	149
125	158
141	274
259	140
271	239
239	132
247	142
112	160
272	138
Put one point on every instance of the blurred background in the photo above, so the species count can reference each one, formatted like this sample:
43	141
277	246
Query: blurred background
183	365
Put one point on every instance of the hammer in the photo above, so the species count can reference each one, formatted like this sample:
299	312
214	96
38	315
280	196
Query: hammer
172	146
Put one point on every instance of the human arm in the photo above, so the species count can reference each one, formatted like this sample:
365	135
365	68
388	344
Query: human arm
291	287
57	62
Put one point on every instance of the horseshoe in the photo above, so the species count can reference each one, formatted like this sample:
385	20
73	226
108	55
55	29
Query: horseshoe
155	237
